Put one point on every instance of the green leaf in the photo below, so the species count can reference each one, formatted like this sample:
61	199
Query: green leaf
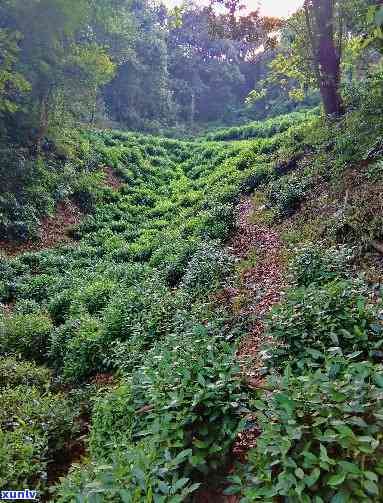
348	467
125	495
371	487
286	403
179	484
379	380
379	17
313	477
371	476
259	404
340	498
336	480
232	490
201	380
164	488
181	457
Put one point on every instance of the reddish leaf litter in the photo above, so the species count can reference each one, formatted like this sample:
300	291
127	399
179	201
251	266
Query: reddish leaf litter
6	309
111	180
103	380
261	288
53	230
263	283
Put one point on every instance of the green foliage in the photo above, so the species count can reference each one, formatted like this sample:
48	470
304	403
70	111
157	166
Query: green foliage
79	348
26	335
186	400
261	129
206	270
315	263
286	194
12	82
33	426
142	473
14	372
134	296
320	439
312	323
142	312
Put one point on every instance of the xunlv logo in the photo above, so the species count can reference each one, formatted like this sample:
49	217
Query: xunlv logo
26	494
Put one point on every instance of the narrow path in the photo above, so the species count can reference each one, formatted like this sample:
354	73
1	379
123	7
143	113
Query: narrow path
261	284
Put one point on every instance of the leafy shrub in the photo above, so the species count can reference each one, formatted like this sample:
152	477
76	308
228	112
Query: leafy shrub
173	256
195	381
96	295
14	372
142	473
79	349
36	287
218	222
26	307
285	194
262	174
59	306
27	335
320	439
142	311
207	270
32	427
314	263
260	129
335	318
186	395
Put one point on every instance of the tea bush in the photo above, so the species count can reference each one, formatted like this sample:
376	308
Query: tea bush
15	372
172	257
26	335
315	263
79	349
264	129
314	322
320	439
206	270
141	473
286	194
144	310
33	426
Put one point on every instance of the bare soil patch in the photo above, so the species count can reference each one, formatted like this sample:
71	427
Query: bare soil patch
53	230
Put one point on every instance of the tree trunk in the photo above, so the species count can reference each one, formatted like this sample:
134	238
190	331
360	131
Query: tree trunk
43	126
325	54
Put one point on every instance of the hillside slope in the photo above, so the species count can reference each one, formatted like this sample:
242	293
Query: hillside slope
152	332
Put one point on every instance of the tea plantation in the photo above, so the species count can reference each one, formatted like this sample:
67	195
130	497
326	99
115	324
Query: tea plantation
117	340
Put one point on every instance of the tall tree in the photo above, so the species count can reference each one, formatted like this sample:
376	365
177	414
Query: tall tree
205	74
139	96
59	56
325	51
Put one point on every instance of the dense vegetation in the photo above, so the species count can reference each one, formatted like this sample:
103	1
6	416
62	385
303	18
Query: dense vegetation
123	375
